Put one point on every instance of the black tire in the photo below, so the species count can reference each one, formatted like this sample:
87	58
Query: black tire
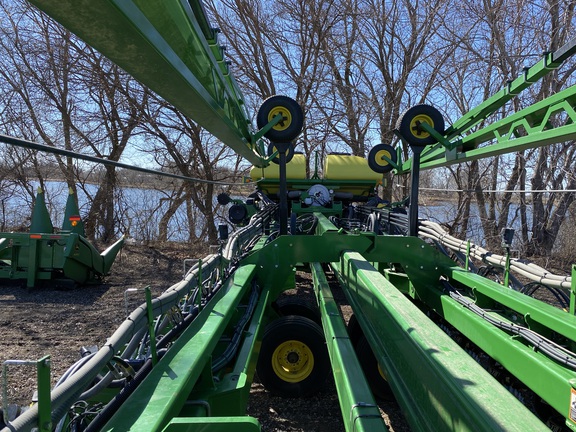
237	213
408	124
293	359
374	223
375	161
372	370
223	198
289	152
354	330
289	127
295	305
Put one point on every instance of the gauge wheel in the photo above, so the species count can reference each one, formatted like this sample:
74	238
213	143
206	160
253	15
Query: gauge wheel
292	118
272	147
376	155
293	360
409	124
299	306
373	371
223	198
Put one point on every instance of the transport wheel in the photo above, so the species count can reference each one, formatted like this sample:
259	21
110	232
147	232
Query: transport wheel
375	161
409	124
289	152
374	373
293	359
292	118
295	305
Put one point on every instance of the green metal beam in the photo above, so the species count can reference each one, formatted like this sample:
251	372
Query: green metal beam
550	380
420	260
214	424
441	155
359	410
537	312
44	403
228	397
438	385
548	63
163	393
164	46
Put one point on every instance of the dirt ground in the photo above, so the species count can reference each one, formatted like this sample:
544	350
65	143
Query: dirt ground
59	322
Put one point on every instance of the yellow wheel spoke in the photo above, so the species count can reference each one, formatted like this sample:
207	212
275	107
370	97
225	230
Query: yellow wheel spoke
415	125
286	118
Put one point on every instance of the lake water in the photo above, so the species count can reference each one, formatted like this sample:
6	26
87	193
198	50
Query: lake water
138	210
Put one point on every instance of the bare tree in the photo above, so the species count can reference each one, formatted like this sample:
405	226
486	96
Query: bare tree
555	164
353	66
70	97
115	111
182	147
495	39
277	49
402	54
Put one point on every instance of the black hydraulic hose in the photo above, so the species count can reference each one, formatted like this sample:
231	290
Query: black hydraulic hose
164	340
307	223
530	288
67	393
178	328
103	416
131	385
232	348
540	343
257	223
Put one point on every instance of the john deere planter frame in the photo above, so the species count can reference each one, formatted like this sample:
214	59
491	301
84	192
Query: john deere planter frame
457	350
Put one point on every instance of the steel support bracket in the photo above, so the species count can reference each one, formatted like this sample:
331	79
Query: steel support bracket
573	292
260	134
351	383
442	140
43	383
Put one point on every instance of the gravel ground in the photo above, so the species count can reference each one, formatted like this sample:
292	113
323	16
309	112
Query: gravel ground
58	322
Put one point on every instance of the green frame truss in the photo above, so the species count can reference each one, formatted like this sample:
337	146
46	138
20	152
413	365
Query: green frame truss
549	121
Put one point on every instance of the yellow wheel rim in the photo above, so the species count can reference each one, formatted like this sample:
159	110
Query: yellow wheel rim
380	154
415	125
381	372
286	120
292	361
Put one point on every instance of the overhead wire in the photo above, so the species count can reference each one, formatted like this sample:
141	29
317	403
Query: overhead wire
62	152
520	191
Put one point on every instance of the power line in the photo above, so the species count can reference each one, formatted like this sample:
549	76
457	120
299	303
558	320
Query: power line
48	149
498	190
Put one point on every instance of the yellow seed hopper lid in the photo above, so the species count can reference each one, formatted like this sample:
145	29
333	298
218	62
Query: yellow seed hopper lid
346	167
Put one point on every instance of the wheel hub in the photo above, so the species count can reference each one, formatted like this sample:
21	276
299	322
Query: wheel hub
380	157
284	123
293	357
416	125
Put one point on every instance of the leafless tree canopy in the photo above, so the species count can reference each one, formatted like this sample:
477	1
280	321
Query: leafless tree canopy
354	66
